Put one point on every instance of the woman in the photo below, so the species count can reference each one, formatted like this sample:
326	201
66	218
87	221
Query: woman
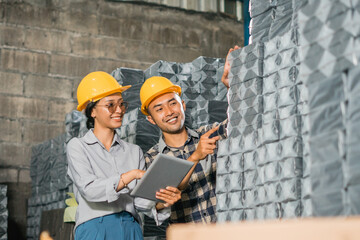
103	167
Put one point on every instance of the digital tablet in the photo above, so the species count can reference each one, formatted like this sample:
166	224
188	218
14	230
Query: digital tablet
164	171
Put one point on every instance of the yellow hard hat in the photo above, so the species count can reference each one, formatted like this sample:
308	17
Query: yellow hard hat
154	87
97	85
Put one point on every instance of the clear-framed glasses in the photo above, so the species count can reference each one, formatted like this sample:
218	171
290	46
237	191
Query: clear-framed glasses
113	106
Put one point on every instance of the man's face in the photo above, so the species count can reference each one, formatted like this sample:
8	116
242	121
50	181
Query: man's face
167	112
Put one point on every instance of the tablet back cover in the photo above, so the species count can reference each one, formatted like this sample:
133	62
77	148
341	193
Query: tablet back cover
164	171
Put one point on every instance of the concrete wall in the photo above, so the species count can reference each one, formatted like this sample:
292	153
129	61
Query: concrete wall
46	47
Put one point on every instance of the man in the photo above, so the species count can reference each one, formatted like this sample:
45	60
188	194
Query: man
163	106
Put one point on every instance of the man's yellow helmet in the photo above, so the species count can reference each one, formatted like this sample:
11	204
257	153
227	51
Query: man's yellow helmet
154	87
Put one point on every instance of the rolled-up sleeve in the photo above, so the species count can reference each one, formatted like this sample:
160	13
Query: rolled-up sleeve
91	187
148	207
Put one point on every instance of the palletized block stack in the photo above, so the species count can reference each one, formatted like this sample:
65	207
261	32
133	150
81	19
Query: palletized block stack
211	96
200	81
3	213
329	55
303	158
328	33
236	172
49	181
75	125
260	175
272	18
352	164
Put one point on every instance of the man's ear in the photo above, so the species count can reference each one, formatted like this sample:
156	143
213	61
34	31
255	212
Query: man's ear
150	119
184	105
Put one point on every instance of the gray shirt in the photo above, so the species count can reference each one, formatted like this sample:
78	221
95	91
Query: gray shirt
96	172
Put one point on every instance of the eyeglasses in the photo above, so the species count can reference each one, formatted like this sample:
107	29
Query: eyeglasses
113	106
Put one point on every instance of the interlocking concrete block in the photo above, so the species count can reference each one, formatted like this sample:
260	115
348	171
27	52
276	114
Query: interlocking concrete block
37	132
11	83
85	6
8	175
192	38
19	107
38	86
12	36
77	21
71	66
47	40
108	65
22	61
29	15
24	176
93	46
58	109
7	130
124	28
15	154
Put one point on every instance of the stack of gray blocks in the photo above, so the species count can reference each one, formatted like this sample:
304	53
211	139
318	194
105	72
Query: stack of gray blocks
202	89
75	125
328	37
295	154
329	55
49	181
3	213
272	18
260	173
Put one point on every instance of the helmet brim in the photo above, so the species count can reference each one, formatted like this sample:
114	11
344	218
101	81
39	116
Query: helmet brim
175	89
121	89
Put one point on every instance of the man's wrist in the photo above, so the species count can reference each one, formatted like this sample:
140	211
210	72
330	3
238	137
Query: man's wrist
194	158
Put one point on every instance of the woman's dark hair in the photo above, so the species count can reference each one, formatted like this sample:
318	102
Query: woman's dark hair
90	122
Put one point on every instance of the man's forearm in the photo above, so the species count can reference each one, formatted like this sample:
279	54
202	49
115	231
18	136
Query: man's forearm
186	179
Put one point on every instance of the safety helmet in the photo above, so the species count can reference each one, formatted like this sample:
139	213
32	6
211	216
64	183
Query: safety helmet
97	85
154	87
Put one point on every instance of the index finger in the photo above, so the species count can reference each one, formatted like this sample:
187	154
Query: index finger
211	131
236	47
172	189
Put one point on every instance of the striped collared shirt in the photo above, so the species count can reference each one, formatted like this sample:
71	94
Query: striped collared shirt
198	200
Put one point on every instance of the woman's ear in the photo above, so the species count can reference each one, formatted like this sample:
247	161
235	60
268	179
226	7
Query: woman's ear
93	115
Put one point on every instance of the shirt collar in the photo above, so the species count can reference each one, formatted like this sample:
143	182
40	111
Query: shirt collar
90	138
190	133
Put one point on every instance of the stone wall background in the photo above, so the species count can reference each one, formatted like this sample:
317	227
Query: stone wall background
46	47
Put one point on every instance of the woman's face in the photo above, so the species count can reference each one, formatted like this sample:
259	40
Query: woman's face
109	111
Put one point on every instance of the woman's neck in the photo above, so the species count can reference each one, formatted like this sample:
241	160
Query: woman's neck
105	136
